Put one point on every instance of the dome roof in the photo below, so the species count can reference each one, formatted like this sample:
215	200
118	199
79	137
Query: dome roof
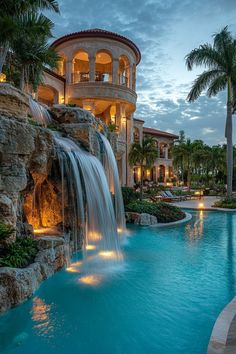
99	33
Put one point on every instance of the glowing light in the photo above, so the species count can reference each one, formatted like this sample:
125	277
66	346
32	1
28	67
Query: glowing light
94	236
201	206
43	230
71	269
2	77
119	230
90	247
90	279
76	264
107	254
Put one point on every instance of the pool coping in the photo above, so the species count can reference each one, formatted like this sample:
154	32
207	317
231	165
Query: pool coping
223	336
208	209
187	218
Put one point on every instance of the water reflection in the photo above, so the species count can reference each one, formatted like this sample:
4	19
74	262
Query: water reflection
41	317
195	231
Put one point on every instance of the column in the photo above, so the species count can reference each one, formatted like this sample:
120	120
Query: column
92	64
69	67
130	77
115	68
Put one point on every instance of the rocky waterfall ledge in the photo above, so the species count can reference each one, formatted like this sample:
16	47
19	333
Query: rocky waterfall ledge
18	284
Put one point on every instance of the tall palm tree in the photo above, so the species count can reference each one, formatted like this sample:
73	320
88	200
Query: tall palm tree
15	13
143	155
220	61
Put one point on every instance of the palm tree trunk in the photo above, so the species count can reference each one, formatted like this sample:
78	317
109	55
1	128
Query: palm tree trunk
3	55
229	149
228	134
141	184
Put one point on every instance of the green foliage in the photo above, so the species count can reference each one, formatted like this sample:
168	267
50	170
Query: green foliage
20	253
71	105
112	128
52	126
228	203
34	122
5	231
164	212
129	195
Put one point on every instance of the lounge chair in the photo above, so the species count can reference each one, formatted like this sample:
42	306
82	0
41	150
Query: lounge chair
175	197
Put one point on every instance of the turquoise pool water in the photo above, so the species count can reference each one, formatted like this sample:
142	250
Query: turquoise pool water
164	299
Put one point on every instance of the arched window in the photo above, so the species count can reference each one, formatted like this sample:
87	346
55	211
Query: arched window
161	173
103	66
47	95
80	67
123	71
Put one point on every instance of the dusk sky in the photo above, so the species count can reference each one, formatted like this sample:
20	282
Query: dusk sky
165	31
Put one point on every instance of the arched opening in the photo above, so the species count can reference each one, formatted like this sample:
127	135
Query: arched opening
161	178
48	95
136	135
103	66
123	72
134	77
61	69
80	67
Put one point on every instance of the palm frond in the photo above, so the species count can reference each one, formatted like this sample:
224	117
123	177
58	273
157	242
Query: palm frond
201	83
217	85
205	55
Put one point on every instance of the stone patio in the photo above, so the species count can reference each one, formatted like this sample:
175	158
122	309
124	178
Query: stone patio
203	203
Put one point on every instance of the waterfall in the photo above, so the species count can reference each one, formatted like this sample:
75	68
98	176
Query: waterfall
39	112
110	166
84	179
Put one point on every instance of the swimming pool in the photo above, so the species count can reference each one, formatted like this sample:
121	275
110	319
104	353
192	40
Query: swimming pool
164	299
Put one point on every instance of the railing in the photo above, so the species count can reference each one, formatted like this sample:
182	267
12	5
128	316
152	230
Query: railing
100	76
123	80
80	77
84	77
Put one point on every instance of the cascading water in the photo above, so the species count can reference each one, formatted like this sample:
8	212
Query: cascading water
84	178
110	166
39	112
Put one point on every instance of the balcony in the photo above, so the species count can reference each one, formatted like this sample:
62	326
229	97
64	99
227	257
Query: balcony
84	77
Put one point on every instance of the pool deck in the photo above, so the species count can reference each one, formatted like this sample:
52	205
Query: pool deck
206	201
223	337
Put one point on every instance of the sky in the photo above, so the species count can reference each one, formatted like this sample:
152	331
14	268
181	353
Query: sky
165	31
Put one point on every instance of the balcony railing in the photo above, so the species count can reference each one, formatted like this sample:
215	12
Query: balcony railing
84	77
123	80
80	77
100	76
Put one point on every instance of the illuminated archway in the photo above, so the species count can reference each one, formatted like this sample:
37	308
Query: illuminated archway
48	95
80	67
124	71
103	66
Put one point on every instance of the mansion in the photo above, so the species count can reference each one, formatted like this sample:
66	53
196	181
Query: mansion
97	72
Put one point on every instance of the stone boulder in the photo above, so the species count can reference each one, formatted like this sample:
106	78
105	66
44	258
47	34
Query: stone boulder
13	102
143	219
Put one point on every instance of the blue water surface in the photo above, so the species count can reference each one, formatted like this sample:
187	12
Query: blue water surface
164	298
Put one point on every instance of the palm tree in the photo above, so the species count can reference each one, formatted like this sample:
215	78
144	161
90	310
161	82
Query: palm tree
32	51
13	15
220	61
144	156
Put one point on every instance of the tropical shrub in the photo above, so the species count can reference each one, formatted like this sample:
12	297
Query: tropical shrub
129	195
227	202
164	212
5	231
20	253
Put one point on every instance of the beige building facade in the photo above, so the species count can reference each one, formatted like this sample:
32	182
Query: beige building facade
97	72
